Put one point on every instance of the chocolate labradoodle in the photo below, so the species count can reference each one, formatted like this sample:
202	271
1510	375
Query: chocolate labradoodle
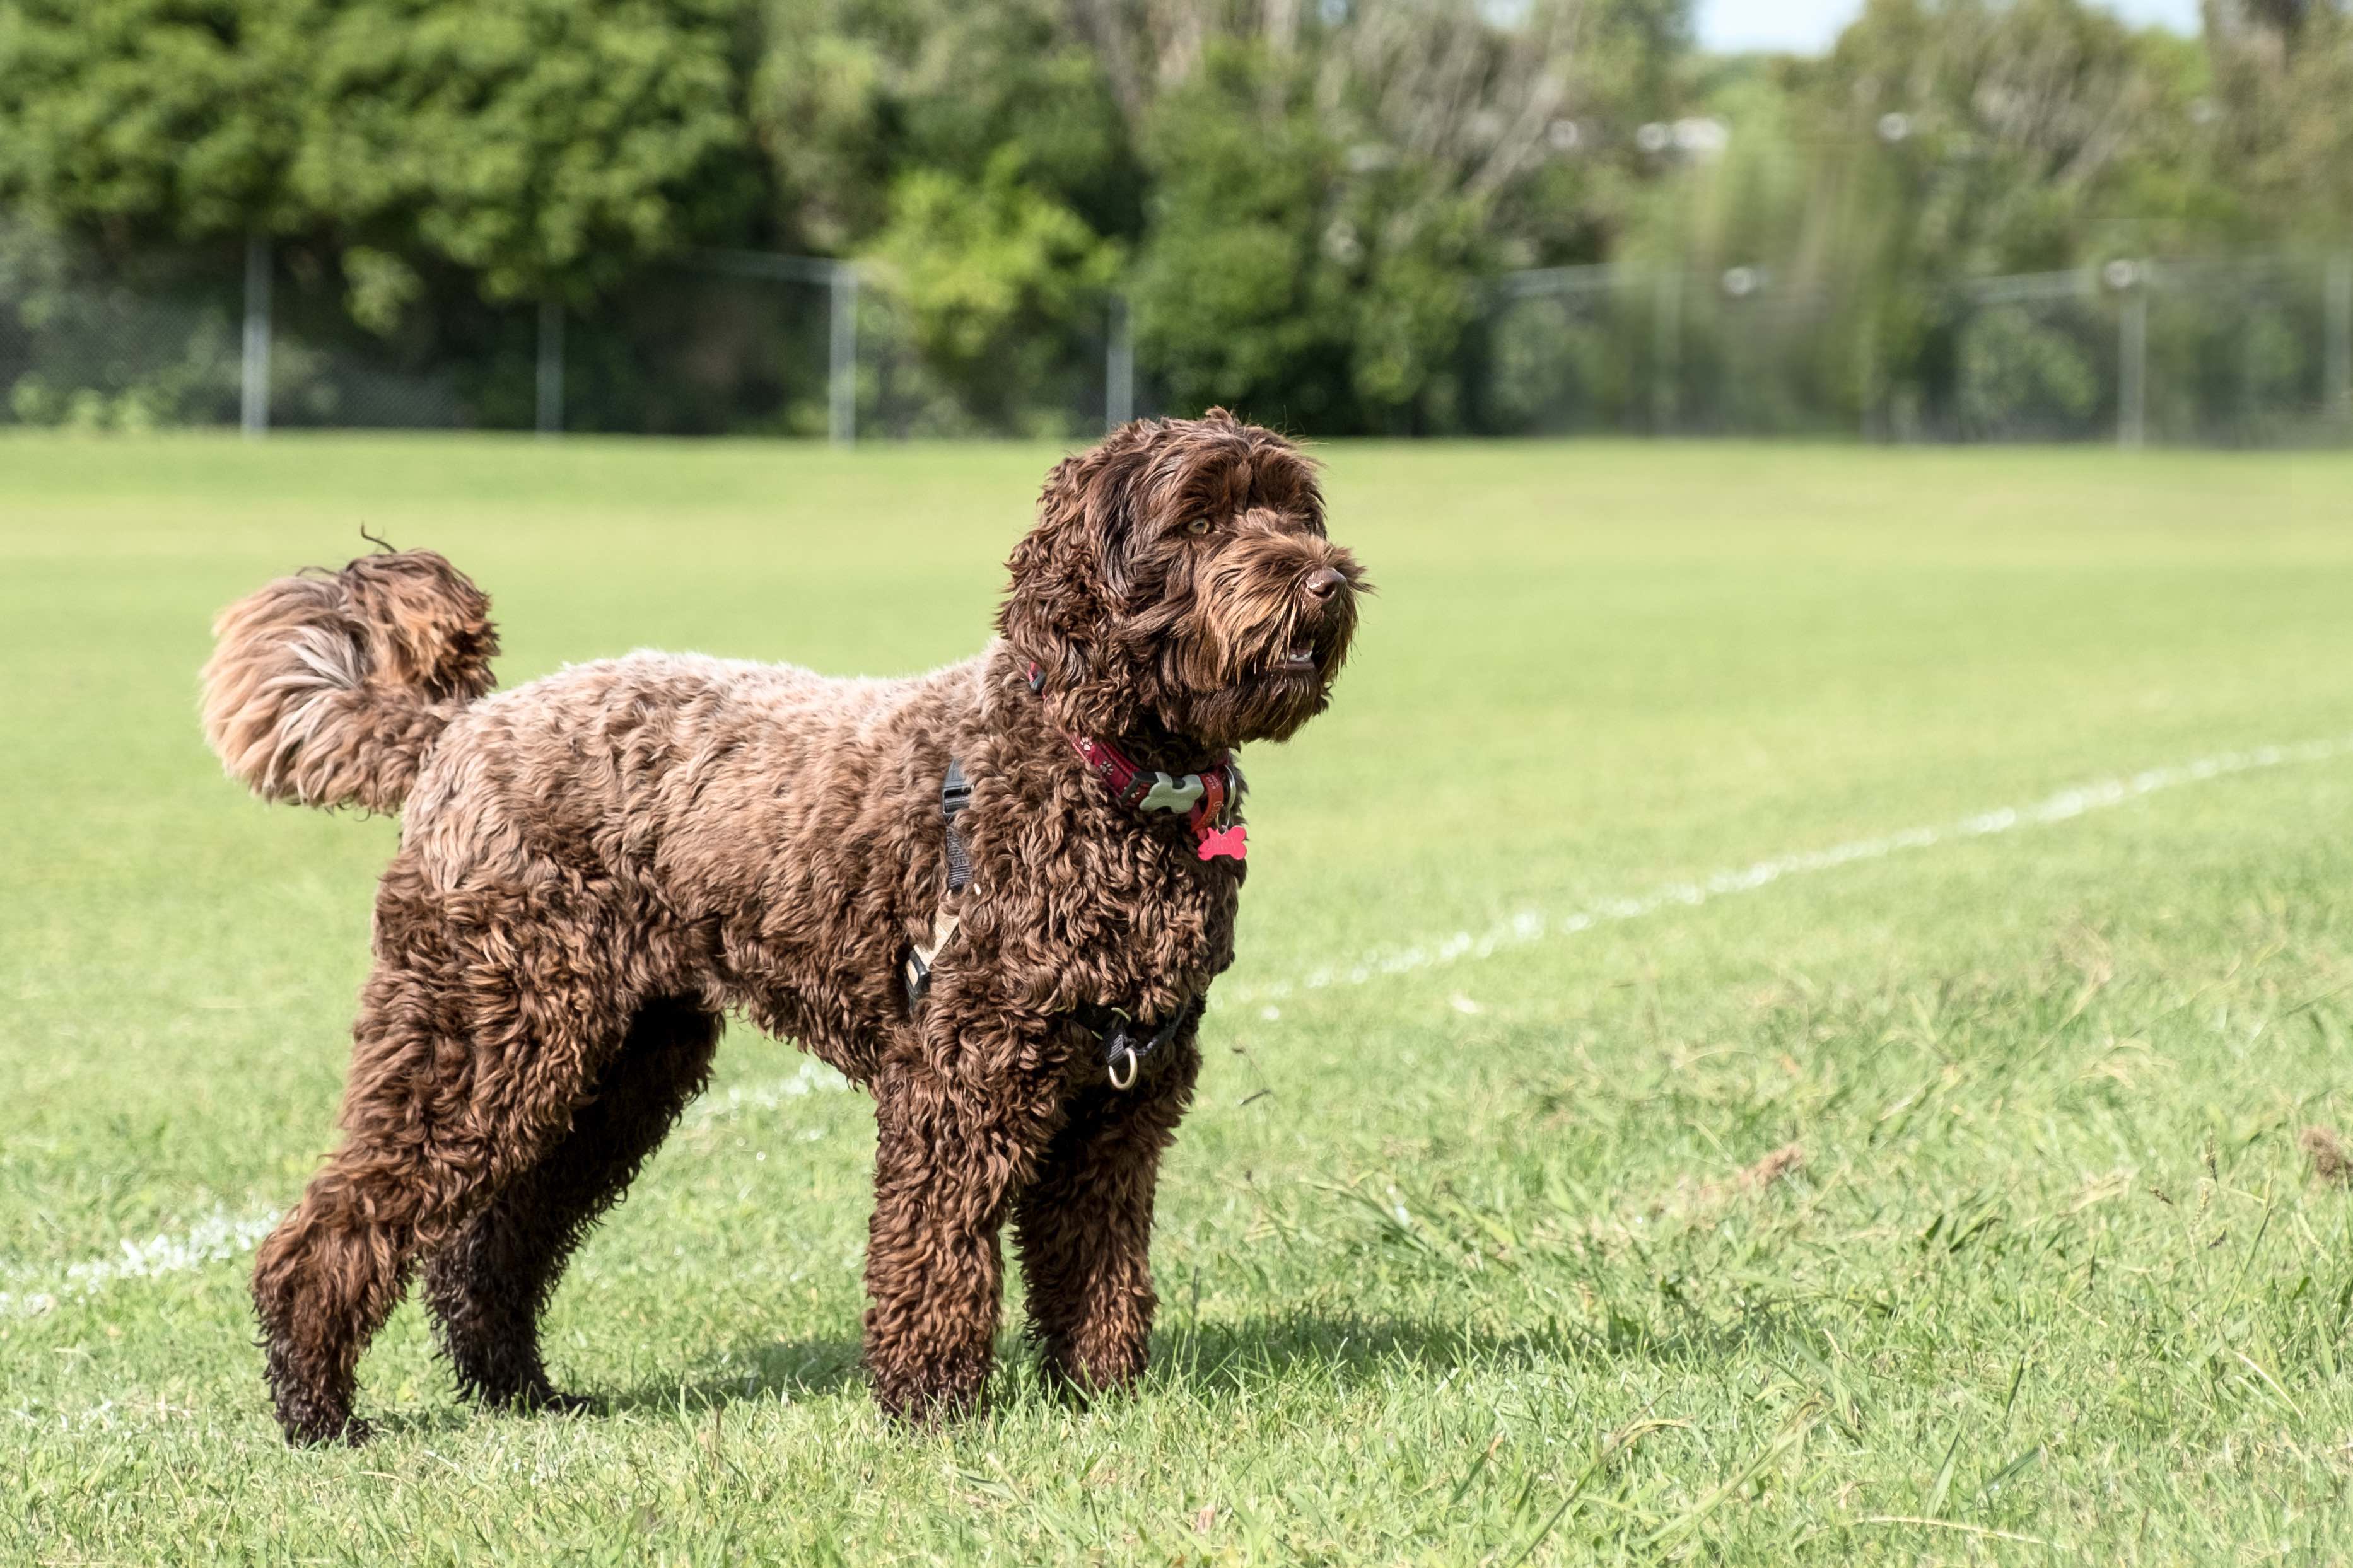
994	896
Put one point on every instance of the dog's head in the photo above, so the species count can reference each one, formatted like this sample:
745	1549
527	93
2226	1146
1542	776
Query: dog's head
1179	581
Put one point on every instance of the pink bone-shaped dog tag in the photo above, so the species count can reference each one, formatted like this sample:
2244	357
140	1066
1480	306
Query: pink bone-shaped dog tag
1228	842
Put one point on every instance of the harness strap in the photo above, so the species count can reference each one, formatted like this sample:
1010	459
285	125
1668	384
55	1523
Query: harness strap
955	797
1125	1040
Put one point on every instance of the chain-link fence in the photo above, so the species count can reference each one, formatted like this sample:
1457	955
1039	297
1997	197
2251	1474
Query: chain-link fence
717	343
2251	350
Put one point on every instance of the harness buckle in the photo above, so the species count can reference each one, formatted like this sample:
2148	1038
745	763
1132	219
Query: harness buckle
1119	1049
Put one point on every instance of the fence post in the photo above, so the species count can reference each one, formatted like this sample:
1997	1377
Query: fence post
2132	360
1666	348
1867	375
551	368
1119	368
841	375
253	372
2340	337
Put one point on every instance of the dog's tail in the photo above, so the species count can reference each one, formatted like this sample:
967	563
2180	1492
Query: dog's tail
328	688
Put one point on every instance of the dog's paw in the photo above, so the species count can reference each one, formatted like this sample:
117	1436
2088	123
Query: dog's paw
530	1397
1082	1382
933	1397
350	1432
553	1402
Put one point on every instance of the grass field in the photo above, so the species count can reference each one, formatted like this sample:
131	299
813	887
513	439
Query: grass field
1562	1188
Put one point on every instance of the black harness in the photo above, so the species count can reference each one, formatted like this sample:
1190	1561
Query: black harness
1125	1040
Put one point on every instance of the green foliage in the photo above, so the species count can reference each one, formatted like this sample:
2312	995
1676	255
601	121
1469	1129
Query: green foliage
382	286
1307	205
992	279
87	358
155	121
549	147
1280	280
546	147
850	95
975	155
2014	369
2283	82
1241	298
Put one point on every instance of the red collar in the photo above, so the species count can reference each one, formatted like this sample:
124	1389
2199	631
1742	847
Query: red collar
1209	800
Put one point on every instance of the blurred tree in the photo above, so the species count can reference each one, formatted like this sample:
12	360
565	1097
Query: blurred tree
1307	201
1313	194
1963	137
1332	192
1980	137
974	156
2284	107
548	147
545	147
850	95
155	121
1003	291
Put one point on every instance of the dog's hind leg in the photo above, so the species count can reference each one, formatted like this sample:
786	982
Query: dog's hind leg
407	1172
472	1051
487	1286
1083	1226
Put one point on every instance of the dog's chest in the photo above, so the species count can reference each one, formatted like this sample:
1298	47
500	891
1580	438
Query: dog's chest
1169	925
1132	916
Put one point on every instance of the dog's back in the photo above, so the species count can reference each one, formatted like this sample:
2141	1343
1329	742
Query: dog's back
670	771
724	823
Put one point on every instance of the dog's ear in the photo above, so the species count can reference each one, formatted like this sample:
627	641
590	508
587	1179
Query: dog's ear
1069	572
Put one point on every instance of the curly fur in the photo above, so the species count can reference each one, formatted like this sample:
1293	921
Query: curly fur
594	867
329	688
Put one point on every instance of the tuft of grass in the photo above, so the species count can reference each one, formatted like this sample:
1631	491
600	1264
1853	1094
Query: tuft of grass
1956	1205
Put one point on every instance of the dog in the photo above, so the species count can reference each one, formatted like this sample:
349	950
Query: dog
994	895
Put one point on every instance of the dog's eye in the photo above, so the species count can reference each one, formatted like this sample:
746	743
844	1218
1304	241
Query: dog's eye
1197	526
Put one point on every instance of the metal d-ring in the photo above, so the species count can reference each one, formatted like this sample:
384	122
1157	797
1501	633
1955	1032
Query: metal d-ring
1110	1069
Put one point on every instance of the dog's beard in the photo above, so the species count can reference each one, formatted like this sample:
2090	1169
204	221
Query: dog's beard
1252	661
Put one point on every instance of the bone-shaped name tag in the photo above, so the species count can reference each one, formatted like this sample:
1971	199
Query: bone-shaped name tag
1228	842
1171	794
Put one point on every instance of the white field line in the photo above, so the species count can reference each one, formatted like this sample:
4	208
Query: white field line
814	1077
1533	925
220	1237
210	1240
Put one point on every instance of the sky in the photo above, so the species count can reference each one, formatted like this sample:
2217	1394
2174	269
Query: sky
1807	27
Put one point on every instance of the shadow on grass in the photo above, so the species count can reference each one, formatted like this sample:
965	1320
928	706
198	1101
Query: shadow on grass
766	1369
1213	1358
762	1369
1209	1360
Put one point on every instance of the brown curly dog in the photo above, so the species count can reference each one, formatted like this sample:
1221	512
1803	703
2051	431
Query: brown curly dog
994	896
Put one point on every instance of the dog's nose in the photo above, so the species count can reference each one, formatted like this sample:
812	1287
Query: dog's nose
1325	583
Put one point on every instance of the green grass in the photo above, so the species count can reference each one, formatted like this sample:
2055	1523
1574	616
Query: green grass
1457	1263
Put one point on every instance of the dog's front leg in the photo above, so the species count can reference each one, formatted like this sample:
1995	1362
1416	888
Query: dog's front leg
954	1139
1084	1225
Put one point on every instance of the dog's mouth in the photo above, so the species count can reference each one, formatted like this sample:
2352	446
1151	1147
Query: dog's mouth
1299	664
1283	681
